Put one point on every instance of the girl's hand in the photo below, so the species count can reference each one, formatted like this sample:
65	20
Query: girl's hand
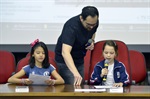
118	84
26	81
104	71
50	82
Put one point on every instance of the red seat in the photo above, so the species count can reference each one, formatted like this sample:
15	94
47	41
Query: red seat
7	65
138	66
52	61
123	55
51	54
23	62
86	66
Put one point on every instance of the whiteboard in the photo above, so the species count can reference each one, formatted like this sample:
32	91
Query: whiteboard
22	21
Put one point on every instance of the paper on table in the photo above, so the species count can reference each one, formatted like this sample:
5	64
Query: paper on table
116	90
111	89
106	87
38	79
103	87
22	89
90	90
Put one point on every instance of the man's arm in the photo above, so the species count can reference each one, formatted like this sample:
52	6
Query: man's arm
93	37
66	50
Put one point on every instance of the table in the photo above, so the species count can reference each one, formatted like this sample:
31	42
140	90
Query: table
7	91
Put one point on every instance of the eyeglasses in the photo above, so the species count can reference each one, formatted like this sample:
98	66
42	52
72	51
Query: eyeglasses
91	24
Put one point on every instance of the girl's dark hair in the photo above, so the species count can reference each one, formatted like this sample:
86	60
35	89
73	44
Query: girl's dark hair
89	11
45	62
113	44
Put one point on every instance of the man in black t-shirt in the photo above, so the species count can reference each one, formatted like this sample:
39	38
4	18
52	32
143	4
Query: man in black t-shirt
71	46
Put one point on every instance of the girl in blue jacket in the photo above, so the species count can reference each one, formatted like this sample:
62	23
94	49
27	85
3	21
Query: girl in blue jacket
109	71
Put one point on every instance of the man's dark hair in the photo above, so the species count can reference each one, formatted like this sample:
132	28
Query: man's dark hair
89	11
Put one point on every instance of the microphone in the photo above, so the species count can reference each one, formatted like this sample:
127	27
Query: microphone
86	45
89	42
106	66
